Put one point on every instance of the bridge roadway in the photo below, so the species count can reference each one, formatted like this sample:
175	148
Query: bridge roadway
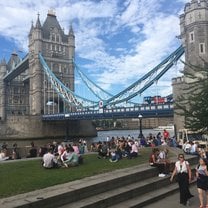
20	68
147	111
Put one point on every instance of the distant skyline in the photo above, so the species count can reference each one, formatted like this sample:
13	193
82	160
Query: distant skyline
117	41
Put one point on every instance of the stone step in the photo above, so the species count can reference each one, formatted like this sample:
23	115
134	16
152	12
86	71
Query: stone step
74	191
148	198
121	194
104	185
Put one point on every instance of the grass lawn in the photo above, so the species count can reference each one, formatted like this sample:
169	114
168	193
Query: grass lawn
24	176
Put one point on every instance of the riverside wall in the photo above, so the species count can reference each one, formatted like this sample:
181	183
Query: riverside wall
33	127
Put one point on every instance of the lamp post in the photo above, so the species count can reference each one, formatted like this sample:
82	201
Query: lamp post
140	126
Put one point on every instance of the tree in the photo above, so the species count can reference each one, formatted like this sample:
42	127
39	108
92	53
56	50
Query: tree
193	103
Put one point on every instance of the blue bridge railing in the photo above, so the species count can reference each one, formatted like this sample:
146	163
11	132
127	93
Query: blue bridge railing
147	111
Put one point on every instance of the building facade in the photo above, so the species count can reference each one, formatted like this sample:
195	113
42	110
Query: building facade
194	37
30	93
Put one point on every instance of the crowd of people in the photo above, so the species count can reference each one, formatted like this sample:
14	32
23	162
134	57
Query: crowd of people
63	154
118	148
57	154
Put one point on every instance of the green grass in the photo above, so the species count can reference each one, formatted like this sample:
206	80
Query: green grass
24	176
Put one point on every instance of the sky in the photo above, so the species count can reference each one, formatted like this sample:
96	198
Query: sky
117	41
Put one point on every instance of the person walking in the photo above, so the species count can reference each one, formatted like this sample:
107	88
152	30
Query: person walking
183	172
202	181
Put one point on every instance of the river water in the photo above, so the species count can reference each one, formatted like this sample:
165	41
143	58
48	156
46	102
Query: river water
101	136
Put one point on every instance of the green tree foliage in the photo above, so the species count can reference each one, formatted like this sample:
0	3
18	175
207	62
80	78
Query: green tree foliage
193	103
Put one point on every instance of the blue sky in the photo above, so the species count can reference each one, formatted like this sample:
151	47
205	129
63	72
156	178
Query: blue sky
117	41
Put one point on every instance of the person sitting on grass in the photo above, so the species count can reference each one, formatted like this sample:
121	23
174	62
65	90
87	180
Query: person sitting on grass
127	149
72	159
114	157
76	148
103	150
3	155
15	152
65	154
134	150
49	160
33	151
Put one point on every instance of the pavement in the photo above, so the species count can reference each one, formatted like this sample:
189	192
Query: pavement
173	200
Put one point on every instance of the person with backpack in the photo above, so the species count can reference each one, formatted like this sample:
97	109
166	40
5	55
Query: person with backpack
202	181
183	172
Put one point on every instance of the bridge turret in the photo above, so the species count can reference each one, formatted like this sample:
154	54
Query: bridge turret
3	68
3	71
13	61
71	40
194	31
194	36
31	29
35	72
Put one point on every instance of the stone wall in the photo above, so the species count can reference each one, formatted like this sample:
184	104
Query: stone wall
34	127
178	85
147	123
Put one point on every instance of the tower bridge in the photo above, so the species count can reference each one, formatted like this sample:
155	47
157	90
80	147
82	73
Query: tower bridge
37	94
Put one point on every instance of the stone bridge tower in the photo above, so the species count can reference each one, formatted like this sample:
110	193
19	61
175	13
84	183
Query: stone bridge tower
58	50
194	36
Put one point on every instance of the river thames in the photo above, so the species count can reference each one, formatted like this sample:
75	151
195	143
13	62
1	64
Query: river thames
101	136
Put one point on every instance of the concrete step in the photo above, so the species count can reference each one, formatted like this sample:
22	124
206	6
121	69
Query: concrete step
74	191
108	189
121	194
131	191
148	198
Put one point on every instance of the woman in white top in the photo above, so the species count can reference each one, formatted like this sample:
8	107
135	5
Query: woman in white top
202	181
183	171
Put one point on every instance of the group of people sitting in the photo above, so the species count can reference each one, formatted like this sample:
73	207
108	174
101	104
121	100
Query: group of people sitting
6	154
190	147
158	140
128	148
159	159
63	156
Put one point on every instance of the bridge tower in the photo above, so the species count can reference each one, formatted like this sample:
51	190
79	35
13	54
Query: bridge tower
58	50
3	70
194	36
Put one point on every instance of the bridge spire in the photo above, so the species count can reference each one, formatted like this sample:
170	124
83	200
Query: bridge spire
31	29
38	24
71	31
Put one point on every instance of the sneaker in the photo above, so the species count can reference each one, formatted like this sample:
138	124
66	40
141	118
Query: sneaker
66	165
161	175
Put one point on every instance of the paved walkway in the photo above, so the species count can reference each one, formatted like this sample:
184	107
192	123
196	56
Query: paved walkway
173	201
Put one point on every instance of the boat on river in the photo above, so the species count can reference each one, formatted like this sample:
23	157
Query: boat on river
169	127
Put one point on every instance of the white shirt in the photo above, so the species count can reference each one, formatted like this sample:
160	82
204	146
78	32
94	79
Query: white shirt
162	155
193	148
181	167
187	147
48	160
134	148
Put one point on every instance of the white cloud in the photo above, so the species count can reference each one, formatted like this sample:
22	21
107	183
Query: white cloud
148	34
